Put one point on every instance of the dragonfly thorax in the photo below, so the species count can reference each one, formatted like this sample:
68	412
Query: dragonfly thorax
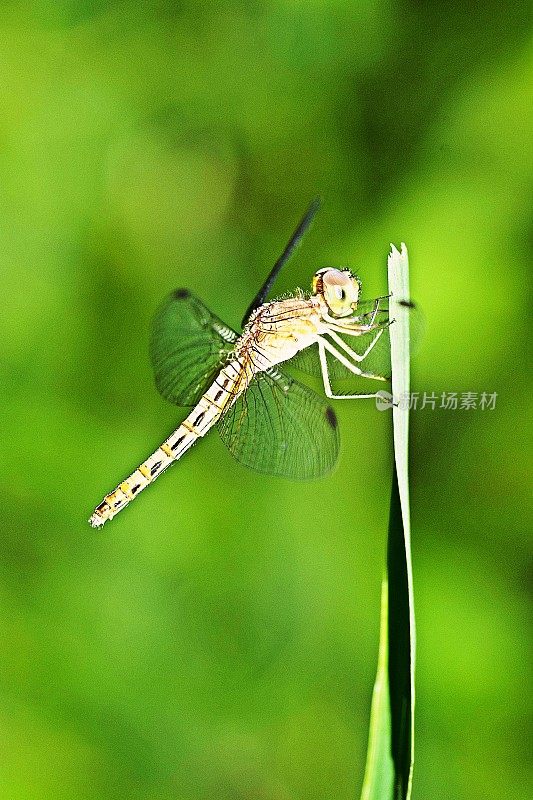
279	330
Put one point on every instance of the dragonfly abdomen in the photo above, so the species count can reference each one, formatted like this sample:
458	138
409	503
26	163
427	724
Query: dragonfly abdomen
230	382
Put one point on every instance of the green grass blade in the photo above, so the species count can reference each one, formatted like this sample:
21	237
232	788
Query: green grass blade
379	773
389	767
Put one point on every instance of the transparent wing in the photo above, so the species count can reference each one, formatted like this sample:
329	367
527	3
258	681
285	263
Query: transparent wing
377	362
188	346
280	427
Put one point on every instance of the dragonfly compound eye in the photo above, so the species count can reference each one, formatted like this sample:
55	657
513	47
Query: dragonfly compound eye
341	291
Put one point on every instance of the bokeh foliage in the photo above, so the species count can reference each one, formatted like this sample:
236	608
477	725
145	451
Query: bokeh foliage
219	638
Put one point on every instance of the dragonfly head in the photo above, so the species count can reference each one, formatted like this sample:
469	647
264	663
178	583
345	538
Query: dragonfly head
339	288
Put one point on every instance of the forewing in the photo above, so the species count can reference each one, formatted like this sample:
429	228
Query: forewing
188	346
280	427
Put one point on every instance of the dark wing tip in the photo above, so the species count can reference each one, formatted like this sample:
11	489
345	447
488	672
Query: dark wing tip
331	417
181	294
406	303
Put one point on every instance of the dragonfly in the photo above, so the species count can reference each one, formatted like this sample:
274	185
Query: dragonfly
269	420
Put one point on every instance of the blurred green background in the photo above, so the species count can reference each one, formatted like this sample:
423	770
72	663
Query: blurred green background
219	638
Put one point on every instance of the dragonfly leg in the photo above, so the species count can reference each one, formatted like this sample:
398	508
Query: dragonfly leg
327	384
377	308
353	326
356	356
345	362
374	312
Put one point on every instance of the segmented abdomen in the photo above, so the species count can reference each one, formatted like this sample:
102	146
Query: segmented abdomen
230	382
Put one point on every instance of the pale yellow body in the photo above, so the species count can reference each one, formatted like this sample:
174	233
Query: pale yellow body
279	330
